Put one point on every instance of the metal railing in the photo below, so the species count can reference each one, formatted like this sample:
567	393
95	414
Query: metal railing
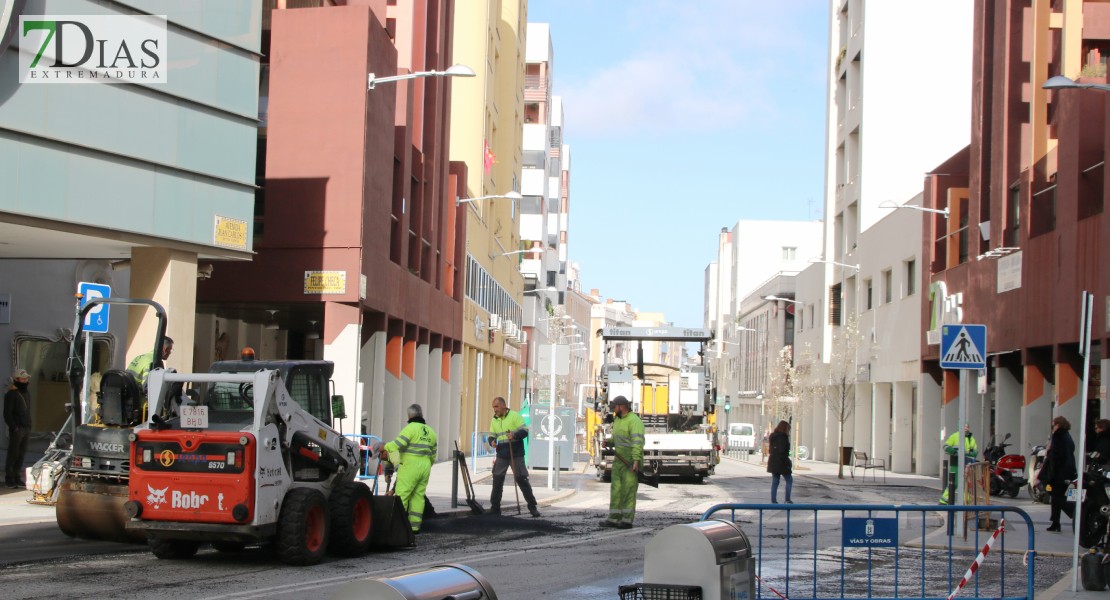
826	551
365	450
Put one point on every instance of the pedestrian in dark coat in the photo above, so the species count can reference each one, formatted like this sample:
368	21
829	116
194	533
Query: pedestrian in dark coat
17	416
778	461
1100	442
1058	470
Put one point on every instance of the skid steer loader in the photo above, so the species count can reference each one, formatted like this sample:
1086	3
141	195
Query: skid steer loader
234	460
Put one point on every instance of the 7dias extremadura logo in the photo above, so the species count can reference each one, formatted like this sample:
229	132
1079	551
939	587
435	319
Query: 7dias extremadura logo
92	48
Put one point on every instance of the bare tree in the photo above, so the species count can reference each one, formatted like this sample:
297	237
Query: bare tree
781	379
841	375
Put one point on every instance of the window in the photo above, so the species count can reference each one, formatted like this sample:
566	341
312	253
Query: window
868	293
911	277
1013	216
789	253
888	286
834	304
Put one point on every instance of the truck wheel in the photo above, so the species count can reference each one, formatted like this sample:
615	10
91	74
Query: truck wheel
351	522
302	527
166	549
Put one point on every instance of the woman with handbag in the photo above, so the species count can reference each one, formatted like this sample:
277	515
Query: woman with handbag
1058	470
778	461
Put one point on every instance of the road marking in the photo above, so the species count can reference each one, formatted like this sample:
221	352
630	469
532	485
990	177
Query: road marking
317	583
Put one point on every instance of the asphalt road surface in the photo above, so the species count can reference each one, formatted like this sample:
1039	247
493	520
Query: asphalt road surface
564	554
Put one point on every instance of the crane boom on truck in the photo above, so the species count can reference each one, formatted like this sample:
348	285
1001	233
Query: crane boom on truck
675	404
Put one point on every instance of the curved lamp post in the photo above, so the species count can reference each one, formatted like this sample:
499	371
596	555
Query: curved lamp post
453	71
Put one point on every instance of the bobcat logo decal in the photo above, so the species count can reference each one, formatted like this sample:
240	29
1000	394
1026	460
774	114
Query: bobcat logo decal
157	497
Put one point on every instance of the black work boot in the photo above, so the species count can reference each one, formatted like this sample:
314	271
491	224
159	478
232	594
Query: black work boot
535	512
494	510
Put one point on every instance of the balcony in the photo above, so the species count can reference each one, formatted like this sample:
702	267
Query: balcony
535	88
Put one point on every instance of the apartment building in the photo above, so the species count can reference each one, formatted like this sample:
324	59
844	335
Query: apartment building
886	127
138	185
1021	228
359	244
487	120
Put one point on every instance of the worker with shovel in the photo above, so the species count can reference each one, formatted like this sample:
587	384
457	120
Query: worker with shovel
628	450
509	431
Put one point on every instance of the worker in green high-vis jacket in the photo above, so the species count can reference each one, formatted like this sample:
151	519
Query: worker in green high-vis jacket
628	447
414	452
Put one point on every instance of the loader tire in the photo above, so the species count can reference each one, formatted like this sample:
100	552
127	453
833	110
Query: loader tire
302	527
351	522
167	549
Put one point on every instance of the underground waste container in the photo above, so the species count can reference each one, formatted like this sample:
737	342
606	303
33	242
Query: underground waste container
442	582
715	555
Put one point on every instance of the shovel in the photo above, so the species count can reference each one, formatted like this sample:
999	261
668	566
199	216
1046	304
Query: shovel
468	485
652	481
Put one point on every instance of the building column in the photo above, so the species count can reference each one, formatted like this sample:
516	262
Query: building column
881	421
342	341
1068	405
393	411
408	372
861	419
902	428
169	277
832	432
372	379
818	439
1007	409
929	413
1036	414
453	391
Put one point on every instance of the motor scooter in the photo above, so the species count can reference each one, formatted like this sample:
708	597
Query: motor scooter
1036	455
1094	528
1007	470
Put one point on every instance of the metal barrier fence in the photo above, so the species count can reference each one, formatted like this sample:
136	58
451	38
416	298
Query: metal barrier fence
871	563
365	449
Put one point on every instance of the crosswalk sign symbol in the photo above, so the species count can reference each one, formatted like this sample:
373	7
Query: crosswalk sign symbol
963	347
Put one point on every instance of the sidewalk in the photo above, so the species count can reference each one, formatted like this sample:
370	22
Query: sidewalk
1045	543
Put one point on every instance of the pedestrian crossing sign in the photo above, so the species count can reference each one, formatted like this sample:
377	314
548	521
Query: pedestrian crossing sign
963	347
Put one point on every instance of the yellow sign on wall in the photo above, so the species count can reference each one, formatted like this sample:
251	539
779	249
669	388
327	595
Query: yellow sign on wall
325	282
230	233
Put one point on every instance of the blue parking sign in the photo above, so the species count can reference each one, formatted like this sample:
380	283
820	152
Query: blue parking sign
96	321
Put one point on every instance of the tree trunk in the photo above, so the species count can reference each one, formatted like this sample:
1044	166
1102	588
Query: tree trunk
840	447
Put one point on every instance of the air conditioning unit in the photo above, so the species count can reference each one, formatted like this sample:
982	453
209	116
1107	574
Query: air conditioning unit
507	327
494	321
521	336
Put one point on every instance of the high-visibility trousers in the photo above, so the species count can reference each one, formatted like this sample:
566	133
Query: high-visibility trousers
412	481
622	493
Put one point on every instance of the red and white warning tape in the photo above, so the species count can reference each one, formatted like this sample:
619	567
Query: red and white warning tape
979	559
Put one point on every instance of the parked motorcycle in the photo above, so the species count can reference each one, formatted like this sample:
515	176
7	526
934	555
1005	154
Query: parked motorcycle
1036	455
1094	525
1007	470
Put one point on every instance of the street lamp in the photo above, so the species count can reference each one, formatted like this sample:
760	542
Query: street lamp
550	290
773	297
892	204
453	71
1060	82
513	195
528	251
833	262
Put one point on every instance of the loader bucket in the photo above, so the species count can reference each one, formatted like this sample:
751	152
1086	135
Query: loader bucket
391	523
94	511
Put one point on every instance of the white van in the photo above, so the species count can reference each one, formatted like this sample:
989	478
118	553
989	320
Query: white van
741	437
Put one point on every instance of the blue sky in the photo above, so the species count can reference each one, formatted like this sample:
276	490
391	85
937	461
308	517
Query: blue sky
684	117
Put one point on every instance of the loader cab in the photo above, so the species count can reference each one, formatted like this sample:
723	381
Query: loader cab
307	381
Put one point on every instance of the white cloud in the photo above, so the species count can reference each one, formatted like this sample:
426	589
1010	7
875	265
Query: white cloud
695	67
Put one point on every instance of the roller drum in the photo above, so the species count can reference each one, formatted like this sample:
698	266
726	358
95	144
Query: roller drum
94	510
